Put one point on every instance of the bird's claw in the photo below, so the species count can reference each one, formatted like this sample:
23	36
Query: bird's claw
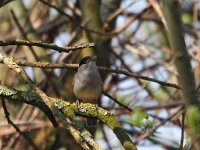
96	107
77	104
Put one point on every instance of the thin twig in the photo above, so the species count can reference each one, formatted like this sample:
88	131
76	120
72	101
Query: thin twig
182	130
113	33
75	66
165	106
127	73
72	18
116	101
5	2
84	139
32	49
148	133
131	19
106	138
69	110
45	45
24	135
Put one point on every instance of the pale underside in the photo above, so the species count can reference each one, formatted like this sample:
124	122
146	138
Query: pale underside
87	84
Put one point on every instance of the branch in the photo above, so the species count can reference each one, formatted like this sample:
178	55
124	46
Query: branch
24	135
5	2
182	130
69	109
116	101
181	56
45	45
32	99
43	98
150	132
12	65
75	66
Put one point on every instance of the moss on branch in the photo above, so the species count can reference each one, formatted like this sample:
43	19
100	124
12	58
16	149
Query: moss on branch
70	109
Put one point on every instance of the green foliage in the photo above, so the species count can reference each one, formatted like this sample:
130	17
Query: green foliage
140	119
159	94
186	18
126	100
193	119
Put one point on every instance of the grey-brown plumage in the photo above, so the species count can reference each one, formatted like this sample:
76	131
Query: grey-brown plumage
87	84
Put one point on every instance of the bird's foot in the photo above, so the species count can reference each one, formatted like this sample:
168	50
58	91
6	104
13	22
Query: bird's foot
77	104
96	107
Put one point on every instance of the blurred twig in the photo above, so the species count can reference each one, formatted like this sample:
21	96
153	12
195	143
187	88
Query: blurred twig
5	2
149	133
24	135
116	101
182	130
113	33
68	109
37	93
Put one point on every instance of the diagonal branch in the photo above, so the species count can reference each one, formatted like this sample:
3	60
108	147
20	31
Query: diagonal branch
43	98
24	135
69	109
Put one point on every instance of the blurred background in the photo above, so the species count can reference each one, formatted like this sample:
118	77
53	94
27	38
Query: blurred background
129	35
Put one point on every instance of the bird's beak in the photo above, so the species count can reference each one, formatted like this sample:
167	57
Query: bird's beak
94	58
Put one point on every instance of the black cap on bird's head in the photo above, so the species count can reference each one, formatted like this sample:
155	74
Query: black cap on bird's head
87	59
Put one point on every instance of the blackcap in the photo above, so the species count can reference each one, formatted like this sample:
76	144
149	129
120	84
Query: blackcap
87	85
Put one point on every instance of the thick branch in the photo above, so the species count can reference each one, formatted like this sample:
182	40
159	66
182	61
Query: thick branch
46	100
69	109
181	56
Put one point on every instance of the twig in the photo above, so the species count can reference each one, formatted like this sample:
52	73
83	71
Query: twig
82	140
32	49
75	66
128	69
116	101
45	45
72	19
67	108
113	33
166	106
148	133
5	2
106	138
24	135
182	130
12	65
159	12
124	72
131	19
117	12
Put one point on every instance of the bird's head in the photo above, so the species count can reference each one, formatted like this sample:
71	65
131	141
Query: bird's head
87	60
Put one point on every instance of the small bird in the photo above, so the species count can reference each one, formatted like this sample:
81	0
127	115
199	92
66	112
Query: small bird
87	85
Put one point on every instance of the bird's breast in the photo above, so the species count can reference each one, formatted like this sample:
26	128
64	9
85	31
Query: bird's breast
88	86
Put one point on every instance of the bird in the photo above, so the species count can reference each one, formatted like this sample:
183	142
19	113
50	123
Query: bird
87	84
